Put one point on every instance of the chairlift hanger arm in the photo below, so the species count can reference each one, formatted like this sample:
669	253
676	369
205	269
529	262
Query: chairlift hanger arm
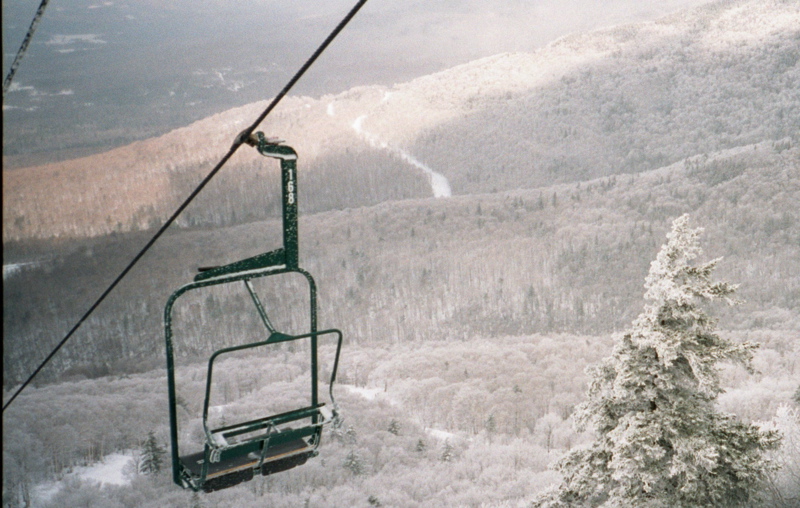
287	255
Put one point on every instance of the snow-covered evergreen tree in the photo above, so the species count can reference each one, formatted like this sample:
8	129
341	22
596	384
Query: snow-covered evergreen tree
152	458
491	424
354	463
783	484
350	435
660	442
447	452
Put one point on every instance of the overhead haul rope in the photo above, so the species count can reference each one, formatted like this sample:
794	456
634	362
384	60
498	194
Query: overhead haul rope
24	47
240	139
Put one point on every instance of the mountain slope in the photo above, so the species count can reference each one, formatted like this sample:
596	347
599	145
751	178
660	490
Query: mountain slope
622	100
570	257
710	79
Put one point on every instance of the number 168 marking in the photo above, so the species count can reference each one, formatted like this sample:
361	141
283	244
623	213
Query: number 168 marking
290	188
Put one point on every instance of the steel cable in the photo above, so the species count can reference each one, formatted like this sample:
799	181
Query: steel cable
24	46
236	144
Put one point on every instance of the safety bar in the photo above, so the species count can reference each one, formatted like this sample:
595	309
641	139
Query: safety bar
275	338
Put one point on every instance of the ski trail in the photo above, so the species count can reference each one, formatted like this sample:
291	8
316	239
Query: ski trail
14	268
373	394
439	184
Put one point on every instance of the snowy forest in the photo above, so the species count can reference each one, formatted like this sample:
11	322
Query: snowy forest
494	334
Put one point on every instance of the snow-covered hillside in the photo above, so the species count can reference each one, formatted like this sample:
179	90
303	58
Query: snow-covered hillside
619	100
478	235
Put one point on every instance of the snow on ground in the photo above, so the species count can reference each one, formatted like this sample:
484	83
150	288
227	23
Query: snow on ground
379	393
367	393
43	493
108	471
440	434
62	40
14	268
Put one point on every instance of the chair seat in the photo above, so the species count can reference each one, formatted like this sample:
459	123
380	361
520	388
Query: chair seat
194	461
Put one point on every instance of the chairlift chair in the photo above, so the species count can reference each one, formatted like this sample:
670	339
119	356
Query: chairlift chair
236	453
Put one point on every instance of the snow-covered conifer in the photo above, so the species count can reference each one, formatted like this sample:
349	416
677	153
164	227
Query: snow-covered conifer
354	463
783	484
350	436
447	452
660	442
152	458
491	424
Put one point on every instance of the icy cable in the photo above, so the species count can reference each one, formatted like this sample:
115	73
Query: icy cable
236	144
24	47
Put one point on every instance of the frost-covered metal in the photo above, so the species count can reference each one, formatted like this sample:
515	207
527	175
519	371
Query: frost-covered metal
270	444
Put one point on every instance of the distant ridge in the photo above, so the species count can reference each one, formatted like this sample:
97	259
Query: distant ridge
620	100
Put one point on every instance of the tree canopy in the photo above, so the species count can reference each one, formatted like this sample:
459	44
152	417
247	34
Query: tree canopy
660	440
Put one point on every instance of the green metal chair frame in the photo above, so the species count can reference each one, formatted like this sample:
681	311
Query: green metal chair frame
234	453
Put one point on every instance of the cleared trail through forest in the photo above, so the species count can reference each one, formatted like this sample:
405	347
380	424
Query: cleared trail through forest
372	394
439	184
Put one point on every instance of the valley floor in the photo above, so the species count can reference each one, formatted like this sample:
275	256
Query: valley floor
469	423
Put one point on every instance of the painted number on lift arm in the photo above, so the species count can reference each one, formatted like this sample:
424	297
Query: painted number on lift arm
290	187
